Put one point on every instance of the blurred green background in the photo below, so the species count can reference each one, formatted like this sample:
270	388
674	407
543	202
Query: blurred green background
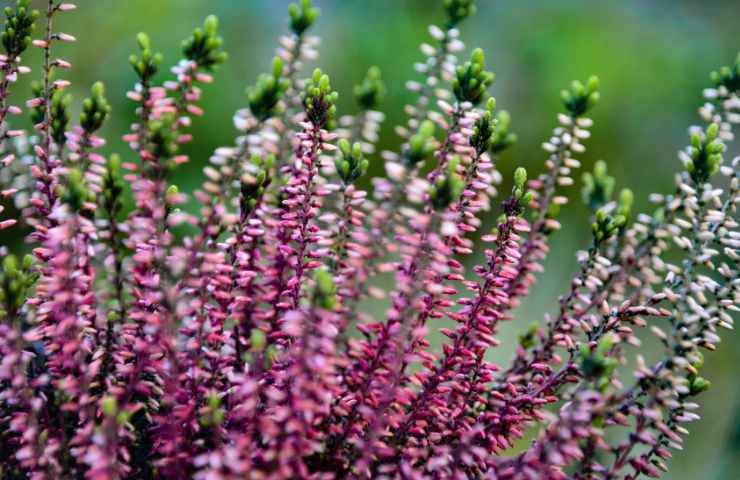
653	58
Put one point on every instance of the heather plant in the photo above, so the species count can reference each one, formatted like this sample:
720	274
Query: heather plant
234	342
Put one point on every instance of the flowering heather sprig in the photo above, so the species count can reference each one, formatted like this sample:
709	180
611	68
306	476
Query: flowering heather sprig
364	126
243	348
16	38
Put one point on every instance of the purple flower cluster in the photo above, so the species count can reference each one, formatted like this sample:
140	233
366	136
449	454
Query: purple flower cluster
244	347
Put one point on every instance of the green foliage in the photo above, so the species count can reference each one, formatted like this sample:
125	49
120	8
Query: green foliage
257	340
520	194
170	199
605	225
371	91
728	76
528	339
163	137
483	129
94	109
420	146
264	98
595	364
625	203
37	113
698	384
580	98
302	16
351	164
212	415
16	278
598	186
705	154
60	103
204	46
325	293
254	181
112	187
59	112
502	138
75	192
458	10
148	64
16	36
319	100
447	188
471	81
109	406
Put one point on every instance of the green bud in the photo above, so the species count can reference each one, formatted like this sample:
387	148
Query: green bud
520	178
271	354
148	65
350	163
370	92
319	100
302	18
447	188
728	76
457	11
16	37
528	339
705	154
502	138
123	417
471	81
597	186
699	385
204	45
596	365
325	292
143	40
27	261
483	129
420	146
698	361
109	406
94	109
264	97
10	265
257	339
581	98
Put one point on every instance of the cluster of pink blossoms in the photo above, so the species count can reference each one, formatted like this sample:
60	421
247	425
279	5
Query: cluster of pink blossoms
235	342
